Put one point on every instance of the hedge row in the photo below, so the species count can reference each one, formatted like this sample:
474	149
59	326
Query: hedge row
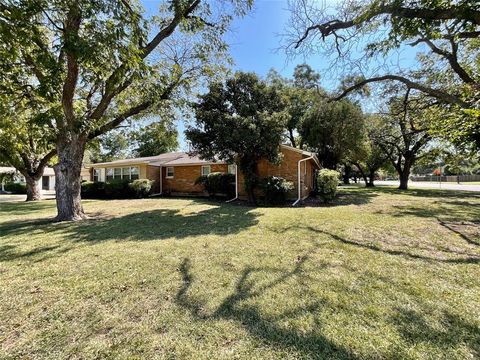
15	188
117	189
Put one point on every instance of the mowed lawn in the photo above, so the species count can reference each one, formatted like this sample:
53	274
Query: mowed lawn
379	274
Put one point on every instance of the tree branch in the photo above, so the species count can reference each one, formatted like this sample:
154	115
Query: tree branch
119	119
110	89
131	112
451	58
72	26
439	94
452	13
169	29
46	159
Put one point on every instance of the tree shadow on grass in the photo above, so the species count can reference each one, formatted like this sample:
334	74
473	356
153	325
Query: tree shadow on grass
272	331
343	198
23	207
460	257
451	331
266	328
156	224
466	231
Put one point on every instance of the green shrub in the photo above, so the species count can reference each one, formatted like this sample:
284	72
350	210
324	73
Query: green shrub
141	187
93	190
327	182
118	189
276	189
15	188
218	183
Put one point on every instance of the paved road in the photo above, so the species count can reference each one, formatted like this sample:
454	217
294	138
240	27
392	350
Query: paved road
434	185
46	195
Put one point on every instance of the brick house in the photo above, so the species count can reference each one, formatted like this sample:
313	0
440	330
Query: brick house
176	172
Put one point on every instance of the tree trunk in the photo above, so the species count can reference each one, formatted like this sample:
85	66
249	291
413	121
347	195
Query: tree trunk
68	180
292	137
249	170
405	172
364	176
371	178
33	190
403	181
346	175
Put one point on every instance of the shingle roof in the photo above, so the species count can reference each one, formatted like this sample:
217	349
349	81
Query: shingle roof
186	159
48	171
173	158
160	159
180	158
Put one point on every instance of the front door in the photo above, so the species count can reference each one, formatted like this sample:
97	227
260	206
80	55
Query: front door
45	182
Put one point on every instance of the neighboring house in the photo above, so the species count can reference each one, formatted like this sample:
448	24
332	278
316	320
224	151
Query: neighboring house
176	172
47	182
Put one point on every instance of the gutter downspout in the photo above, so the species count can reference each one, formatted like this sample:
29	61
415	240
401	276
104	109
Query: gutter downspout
236	185
299	180
161	179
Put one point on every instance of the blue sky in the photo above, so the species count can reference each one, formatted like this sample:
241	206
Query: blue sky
255	40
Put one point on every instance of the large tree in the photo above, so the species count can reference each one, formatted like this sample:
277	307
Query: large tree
156	138
23	145
99	63
114	145
298	94
369	157
403	134
239	121
334	130
445	32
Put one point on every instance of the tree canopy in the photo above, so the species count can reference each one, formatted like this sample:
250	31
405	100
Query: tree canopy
445	32
239	120
89	66
334	130
154	139
298	94
23	144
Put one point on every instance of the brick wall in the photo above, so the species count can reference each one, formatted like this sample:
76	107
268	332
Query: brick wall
153	173
184	178
288	169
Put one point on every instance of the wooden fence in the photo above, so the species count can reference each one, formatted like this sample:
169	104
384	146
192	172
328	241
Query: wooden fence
445	178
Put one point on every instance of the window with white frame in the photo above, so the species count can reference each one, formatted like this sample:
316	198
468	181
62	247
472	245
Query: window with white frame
96	175
134	173
205	170
117	173
109	174
123	173
231	169
169	172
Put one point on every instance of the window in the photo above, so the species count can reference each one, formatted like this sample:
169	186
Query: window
169	172
231	169
125	173
205	170
134	173
96	175
109	176
117	173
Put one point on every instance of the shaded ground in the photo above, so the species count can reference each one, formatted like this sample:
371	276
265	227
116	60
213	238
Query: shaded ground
378	274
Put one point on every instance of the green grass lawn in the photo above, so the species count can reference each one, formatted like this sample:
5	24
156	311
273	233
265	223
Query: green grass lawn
380	274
